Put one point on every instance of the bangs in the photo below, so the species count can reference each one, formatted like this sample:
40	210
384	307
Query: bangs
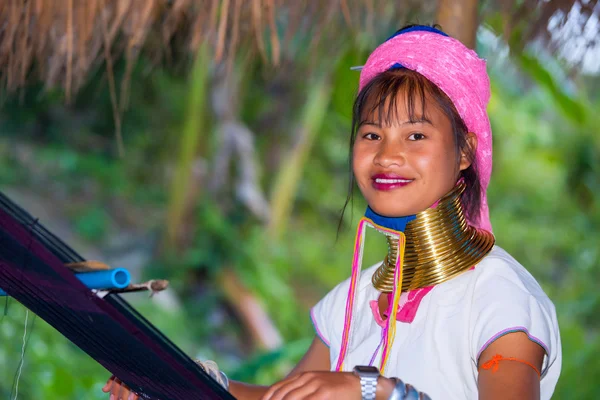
381	99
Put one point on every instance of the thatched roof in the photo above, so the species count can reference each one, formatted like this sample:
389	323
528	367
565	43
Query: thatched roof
60	42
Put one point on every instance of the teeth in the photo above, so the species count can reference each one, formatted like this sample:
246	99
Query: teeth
391	181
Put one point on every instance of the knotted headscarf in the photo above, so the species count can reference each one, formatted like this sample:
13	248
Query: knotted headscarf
458	72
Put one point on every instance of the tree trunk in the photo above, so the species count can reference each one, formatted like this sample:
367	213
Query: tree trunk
458	18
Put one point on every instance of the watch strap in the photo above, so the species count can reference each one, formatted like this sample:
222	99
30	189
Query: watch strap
368	387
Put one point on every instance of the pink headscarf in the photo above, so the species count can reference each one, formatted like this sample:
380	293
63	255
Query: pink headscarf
459	73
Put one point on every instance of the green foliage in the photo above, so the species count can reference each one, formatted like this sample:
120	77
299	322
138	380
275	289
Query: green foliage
191	135
53	367
284	190
572	109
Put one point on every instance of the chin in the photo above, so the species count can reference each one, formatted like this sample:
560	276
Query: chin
393	212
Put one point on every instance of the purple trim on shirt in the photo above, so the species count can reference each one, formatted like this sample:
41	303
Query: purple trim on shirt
376	351
512	330
319	333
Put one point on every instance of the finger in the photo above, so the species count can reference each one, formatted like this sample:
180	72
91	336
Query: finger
283	391
124	393
318	394
109	384
301	392
269	394
133	396
116	388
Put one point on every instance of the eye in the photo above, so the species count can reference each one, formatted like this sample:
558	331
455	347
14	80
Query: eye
416	136
371	136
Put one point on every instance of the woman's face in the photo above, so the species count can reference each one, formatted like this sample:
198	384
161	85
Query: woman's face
404	168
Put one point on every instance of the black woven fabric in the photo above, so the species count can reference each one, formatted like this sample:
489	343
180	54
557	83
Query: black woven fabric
108	329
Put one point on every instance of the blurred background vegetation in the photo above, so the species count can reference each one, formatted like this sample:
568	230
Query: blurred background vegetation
206	143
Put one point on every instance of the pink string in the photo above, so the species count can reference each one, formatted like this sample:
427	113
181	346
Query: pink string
356	266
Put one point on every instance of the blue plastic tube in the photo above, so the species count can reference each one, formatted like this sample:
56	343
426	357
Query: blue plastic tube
117	278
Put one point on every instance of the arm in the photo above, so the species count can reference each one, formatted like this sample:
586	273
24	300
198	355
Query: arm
512	379
313	377
315	359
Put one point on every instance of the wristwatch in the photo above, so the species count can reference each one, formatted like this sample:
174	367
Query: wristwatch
368	380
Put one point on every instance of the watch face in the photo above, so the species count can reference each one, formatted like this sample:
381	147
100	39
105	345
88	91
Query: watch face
367	371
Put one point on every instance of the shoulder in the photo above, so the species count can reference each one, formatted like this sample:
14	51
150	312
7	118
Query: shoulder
501	274
498	279
502	289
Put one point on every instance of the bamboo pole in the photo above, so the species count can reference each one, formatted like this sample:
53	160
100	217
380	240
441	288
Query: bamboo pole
290	173
459	19
189	147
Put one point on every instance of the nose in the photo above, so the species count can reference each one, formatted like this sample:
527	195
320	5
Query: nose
390	153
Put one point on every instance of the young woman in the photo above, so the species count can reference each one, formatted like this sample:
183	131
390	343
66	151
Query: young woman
448	314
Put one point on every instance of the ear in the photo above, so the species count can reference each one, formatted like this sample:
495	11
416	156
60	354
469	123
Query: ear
467	154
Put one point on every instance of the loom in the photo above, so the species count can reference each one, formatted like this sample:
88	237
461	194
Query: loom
108	329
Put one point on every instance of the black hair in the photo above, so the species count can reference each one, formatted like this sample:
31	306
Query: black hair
381	95
436	27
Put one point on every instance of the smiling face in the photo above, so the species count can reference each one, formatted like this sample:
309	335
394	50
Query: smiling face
405	156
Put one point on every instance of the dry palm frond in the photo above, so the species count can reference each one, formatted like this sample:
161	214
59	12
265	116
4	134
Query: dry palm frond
87	266
61	42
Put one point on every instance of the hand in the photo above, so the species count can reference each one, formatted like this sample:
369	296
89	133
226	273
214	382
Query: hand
118	390
315	386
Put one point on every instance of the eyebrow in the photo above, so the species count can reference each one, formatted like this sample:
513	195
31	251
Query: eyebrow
413	122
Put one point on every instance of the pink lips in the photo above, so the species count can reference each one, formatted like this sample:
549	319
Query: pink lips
387	182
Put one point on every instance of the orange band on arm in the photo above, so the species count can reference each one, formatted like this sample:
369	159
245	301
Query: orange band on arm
495	361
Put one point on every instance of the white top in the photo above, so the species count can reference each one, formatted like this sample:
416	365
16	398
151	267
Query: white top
438	351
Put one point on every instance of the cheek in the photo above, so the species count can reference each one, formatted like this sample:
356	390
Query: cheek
358	172
354	164
427	162
437	163
361	166
359	160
